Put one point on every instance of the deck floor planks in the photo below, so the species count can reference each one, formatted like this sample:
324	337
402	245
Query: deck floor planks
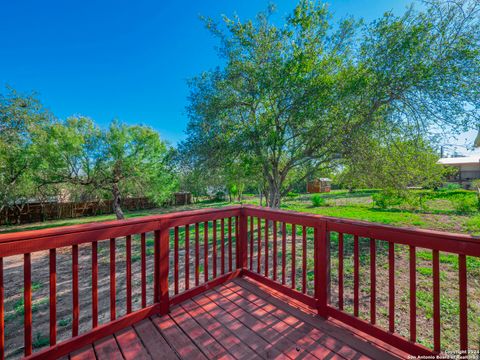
204	341
294	333
305	328
237	348
310	317
177	339
281	341
86	353
264	349
298	337
131	345
153	341
107	349
239	320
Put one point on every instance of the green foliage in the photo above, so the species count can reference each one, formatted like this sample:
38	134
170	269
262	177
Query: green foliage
450	187
40	341
395	165
21	118
310	94
465	204
120	161
386	199
318	200
292	195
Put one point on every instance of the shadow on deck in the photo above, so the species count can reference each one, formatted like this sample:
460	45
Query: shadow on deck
241	319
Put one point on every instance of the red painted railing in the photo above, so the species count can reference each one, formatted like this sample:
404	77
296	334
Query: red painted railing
196	250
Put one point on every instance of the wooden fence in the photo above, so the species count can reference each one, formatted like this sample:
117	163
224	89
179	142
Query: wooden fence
34	212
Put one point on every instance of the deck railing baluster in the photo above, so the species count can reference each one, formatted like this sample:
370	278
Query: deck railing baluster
462	280
197	255
373	282
356	276
275	251
266	246
205	250
304	259
251	242
113	305
128	272
75	309
230	255
94	284
413	294
436	301
293	269
214	249
284	251
239	247
143	257
187	257
27	295
340	271
52	296
391	287
222	245
259	244
175	260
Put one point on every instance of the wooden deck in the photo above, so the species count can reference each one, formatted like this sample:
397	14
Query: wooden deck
238	320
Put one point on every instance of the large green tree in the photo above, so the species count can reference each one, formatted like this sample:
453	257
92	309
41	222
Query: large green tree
395	166
121	160
302	95
21	118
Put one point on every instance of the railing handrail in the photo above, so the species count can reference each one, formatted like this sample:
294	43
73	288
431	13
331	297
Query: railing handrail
432	239
103	225
403	229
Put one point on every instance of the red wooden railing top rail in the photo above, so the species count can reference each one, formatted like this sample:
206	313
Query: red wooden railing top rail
272	246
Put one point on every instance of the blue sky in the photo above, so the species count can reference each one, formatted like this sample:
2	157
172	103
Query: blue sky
125	59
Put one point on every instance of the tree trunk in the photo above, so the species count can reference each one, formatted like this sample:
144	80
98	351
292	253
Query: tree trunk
117	199
274	193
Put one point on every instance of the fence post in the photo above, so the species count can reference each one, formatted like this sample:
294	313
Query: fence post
162	251
242	248
322	267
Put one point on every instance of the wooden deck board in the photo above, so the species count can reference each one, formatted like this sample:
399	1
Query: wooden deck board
237	348
131	345
336	345
107	349
238	320
153	341
202	339
86	353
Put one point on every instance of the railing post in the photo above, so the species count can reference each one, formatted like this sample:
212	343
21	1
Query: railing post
322	267
162	242
243	239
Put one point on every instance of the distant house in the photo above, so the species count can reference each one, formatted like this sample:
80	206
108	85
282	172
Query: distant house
468	169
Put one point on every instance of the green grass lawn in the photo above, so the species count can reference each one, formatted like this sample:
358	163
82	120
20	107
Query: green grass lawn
440	211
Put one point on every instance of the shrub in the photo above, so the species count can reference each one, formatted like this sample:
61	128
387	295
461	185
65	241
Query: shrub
386	199
219	196
464	204
451	186
318	200
292	195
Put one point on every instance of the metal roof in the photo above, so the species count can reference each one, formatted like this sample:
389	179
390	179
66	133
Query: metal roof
475	159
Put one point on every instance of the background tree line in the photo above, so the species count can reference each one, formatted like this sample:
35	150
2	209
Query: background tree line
42	157
361	102
312	96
